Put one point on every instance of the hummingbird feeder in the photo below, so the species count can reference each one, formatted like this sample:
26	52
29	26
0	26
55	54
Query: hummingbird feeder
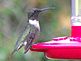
64	47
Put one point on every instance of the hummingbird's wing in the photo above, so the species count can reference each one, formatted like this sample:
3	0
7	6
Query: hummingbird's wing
26	38
23	34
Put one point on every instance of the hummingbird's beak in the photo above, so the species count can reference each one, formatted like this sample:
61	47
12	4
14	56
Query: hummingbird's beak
50	8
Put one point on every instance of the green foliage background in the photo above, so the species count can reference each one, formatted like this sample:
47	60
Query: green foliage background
13	17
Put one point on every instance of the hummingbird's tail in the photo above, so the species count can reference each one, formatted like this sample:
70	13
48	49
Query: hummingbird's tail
17	48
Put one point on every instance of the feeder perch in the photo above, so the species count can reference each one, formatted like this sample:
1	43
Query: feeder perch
64	47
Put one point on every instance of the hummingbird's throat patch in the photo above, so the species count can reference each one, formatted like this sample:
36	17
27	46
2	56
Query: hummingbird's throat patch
35	23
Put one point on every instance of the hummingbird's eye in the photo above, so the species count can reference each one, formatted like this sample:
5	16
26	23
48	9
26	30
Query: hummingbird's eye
35	11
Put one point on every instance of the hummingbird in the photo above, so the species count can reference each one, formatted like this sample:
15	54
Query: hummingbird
31	30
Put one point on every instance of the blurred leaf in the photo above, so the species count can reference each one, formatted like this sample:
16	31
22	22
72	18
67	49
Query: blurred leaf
3	54
6	11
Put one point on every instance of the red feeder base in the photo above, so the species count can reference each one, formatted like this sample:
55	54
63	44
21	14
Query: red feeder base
60	48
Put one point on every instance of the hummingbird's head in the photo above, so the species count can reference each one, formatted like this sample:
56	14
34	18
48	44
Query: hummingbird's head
33	14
